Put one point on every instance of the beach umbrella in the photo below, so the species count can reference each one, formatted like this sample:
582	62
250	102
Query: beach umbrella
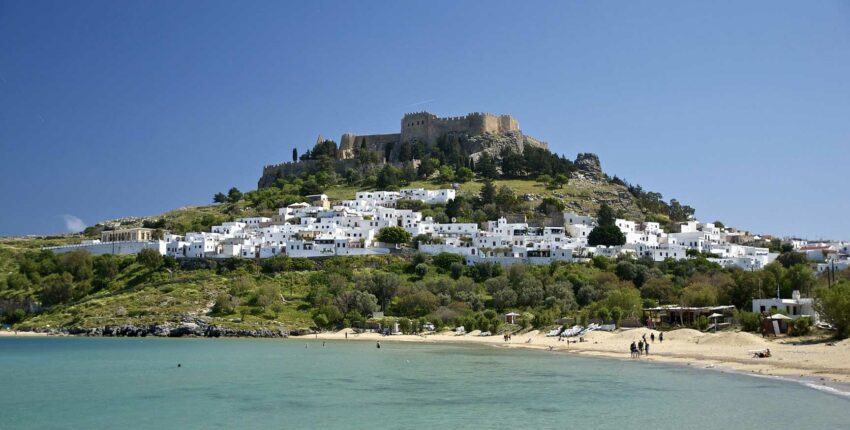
779	317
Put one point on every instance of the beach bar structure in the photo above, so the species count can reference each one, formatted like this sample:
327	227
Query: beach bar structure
681	315
510	318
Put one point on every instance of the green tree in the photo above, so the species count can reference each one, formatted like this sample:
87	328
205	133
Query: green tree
234	195
456	270
550	206
388	178
447	174
606	232
606	215
487	194
617	315
149	258
833	304
384	286
607	235
603	314
789	259
294	155
463	174
699	295
486	167
393	234
415	302
445	260
560	180
78	263
506	200
57	289
219	198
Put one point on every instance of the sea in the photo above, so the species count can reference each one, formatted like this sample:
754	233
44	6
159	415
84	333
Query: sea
154	383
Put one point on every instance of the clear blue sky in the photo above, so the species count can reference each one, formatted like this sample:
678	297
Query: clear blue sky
109	109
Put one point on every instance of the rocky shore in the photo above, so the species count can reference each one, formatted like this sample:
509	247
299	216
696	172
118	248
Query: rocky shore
169	330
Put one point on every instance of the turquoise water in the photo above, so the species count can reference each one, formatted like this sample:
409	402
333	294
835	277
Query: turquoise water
101	383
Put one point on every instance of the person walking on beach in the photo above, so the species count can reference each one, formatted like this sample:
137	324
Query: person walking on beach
646	348
633	348
661	337
652	336
640	347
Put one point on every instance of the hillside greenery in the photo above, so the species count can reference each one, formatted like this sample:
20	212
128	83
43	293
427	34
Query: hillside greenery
40	290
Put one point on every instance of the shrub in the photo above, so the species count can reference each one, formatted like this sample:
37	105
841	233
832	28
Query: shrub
834	305
225	304
149	258
749	321
802	326
421	270
617	315
702	323
444	260
393	235
456	270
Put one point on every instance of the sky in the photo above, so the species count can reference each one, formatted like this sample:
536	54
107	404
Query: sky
111	109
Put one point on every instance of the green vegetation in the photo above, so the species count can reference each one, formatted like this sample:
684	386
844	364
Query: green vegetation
834	306
606	232
41	290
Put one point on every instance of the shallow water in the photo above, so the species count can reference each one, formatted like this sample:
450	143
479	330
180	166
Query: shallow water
102	383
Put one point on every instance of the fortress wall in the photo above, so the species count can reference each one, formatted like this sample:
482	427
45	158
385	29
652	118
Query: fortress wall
428	127
350	143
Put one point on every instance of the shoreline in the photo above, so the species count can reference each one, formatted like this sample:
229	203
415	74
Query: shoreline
816	365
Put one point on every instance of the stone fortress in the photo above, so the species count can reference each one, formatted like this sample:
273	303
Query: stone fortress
427	127
478	134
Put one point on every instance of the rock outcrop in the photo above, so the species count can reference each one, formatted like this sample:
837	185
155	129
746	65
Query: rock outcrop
185	329
587	165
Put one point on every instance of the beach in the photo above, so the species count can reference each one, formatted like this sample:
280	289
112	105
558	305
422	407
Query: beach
11	333
809	359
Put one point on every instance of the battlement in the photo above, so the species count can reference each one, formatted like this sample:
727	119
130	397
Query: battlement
427	127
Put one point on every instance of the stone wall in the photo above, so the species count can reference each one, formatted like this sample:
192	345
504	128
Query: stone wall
350	143
427	127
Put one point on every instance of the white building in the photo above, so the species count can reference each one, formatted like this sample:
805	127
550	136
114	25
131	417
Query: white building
795	307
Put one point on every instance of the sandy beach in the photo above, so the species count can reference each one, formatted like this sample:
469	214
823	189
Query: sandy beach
10	333
814	360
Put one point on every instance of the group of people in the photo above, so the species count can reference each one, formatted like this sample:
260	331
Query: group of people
641	347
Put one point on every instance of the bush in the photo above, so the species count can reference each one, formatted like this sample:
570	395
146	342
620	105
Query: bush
149	258
834	306
749	321
456	270
802	326
225	304
702	323
14	317
444	260
393	235
421	270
